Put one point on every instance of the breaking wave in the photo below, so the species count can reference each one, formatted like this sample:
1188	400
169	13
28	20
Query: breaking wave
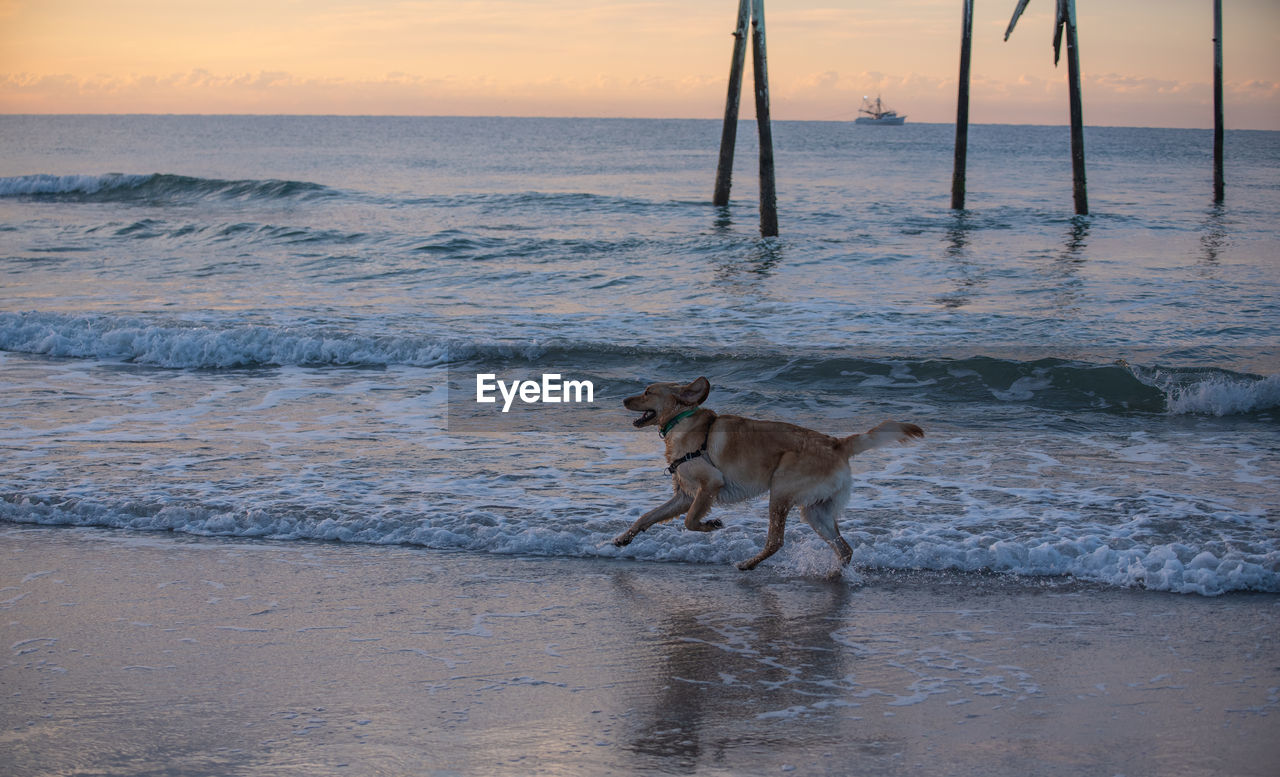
181	345
1058	384
1223	395
155	188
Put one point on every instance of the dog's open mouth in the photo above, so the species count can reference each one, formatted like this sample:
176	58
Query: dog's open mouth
645	418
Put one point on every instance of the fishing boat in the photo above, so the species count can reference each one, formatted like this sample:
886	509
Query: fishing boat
876	113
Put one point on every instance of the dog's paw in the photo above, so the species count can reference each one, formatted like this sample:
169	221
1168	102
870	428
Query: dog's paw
746	566
710	525
622	540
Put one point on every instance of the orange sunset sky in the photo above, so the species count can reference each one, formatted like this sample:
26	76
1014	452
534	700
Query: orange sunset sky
1144	62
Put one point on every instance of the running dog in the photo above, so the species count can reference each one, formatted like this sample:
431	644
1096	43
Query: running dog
728	458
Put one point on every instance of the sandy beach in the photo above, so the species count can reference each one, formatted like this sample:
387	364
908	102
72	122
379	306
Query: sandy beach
159	654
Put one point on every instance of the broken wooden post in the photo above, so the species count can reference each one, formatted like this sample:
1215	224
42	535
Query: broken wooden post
729	133
1077	113
1065	21
962	110
1219	183
760	69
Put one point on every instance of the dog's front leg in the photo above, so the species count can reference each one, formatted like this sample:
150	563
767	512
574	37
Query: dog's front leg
704	482
701	505
675	506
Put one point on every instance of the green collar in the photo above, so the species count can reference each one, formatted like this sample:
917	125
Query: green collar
667	427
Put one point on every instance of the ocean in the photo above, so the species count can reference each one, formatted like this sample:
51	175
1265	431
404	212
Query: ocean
271	328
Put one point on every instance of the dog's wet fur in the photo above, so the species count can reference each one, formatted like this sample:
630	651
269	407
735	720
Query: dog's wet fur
745	457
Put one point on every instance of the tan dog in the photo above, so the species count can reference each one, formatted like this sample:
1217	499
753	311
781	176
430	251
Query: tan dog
728	458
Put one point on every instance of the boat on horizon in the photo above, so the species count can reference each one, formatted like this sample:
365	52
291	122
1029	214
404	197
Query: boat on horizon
876	113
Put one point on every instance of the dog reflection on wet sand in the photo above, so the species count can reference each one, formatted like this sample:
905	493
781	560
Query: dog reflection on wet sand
727	458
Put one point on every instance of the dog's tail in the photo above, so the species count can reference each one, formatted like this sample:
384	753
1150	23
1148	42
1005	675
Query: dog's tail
887	433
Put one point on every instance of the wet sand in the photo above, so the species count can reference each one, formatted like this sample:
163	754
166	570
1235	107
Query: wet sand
169	655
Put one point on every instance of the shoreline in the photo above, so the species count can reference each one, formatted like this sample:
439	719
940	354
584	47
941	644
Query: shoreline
156	653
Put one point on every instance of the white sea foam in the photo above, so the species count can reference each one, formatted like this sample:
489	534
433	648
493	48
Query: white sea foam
1221	396
1174	567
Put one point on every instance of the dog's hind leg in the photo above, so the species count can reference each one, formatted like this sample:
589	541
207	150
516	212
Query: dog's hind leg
822	517
675	506
778	509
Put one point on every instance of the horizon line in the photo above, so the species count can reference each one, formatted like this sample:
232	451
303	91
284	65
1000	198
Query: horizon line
589	118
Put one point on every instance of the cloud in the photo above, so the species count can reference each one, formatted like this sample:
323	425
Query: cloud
397	93
1109	98
1137	85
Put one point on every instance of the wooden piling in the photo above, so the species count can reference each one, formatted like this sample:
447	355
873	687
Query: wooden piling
1077	113
1065	21
1219	183
759	61
729	133
962	110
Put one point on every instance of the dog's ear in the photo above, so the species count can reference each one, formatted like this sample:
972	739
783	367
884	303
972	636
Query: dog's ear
696	392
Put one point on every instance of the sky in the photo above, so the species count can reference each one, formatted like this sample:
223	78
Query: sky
1143	62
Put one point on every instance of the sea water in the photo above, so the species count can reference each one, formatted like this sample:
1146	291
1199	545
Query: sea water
271	327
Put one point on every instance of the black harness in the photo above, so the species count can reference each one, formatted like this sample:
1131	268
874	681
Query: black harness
694	455
687	457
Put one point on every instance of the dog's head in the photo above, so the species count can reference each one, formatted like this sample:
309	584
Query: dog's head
662	402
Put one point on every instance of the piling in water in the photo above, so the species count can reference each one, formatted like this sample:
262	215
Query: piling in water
1077	114
768	190
962	110
1219	183
1065	22
729	133
753	11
